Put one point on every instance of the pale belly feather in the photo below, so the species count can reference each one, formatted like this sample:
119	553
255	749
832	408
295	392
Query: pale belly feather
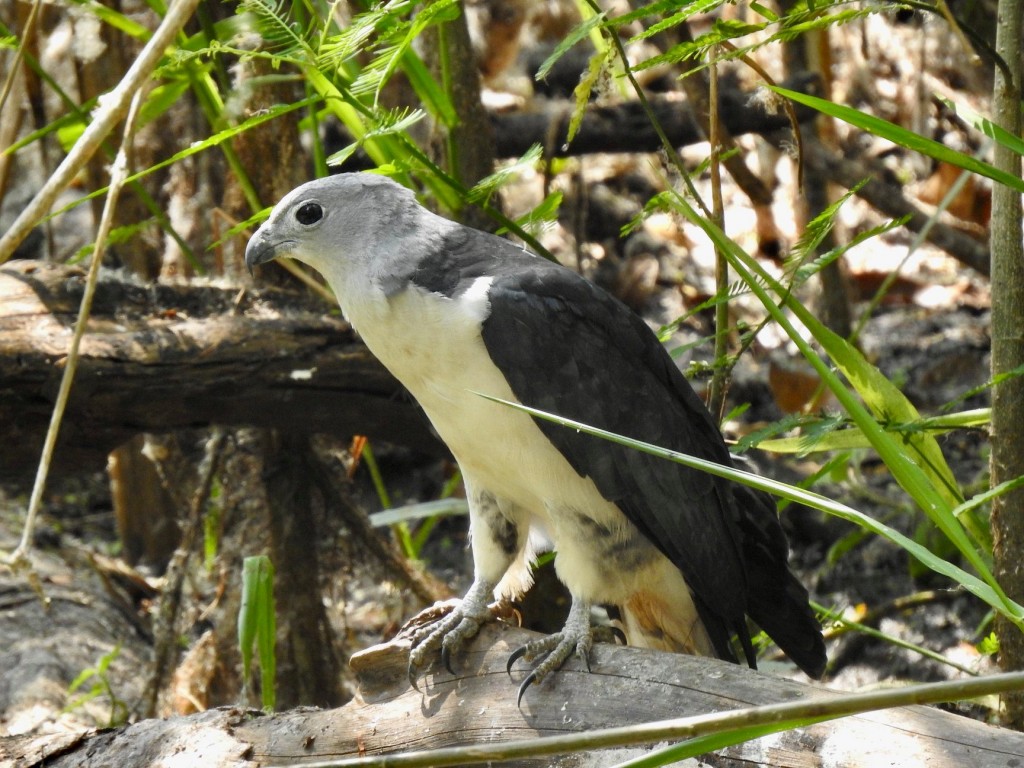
440	357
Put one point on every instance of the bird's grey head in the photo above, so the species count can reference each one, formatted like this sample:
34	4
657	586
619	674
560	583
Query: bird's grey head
346	217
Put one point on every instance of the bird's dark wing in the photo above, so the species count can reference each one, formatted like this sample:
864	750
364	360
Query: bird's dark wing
567	347
777	601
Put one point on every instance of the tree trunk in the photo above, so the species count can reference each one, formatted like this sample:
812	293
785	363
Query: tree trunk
308	669
1008	349
465	149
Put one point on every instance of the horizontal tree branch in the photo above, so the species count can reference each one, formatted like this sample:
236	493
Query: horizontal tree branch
478	706
160	357
625	127
888	198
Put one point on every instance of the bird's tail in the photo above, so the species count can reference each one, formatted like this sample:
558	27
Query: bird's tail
776	600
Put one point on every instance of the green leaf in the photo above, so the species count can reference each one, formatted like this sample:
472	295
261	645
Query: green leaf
421	511
764	11
390	122
430	93
212	526
844	439
844	544
160	99
487	187
769	433
396	52
903	137
992	595
982	124
117	20
674	20
729	29
283	36
541	216
987	496
583	89
989	645
257	624
115	236
578	33
69	133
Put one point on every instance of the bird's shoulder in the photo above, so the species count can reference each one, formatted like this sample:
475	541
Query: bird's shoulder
458	256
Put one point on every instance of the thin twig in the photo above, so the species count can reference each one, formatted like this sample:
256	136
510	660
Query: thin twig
720	377
112	108
20	558
667	146
26	35
167	609
787	107
11	122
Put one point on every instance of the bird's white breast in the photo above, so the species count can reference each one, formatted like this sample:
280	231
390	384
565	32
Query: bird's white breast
432	344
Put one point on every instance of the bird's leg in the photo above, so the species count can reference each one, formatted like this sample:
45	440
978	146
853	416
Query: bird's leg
577	635
452	631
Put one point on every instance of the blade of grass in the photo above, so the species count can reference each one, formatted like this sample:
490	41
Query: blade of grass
901	136
928	482
852	437
976	586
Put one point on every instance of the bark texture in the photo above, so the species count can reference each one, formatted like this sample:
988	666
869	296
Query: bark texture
1008	349
168	357
477	706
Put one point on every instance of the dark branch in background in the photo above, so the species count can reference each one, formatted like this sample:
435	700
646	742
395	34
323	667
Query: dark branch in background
626	127
888	198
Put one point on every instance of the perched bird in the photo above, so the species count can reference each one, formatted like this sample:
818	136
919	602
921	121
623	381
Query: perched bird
454	313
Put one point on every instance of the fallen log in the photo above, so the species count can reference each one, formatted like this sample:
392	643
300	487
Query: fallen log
167	357
477	706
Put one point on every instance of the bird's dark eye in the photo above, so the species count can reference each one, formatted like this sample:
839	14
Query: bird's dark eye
309	213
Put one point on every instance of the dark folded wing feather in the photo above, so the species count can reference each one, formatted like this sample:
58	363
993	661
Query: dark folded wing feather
569	348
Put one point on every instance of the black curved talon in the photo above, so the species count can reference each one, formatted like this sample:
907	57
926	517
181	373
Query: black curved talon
415	668
446	659
529	680
618	634
513	657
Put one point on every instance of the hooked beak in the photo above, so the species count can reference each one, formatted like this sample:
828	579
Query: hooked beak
260	250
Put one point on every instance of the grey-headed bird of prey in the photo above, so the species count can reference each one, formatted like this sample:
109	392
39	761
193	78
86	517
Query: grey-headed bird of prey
453	312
